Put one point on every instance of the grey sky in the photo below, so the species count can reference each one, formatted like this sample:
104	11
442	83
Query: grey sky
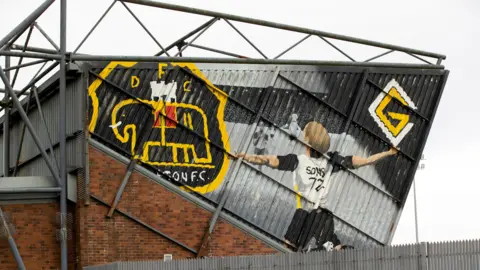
447	189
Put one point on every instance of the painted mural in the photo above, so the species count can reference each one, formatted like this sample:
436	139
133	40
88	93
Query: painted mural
303	163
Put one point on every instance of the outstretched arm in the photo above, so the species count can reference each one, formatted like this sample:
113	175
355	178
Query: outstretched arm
269	160
360	161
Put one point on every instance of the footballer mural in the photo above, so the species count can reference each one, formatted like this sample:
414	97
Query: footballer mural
309	158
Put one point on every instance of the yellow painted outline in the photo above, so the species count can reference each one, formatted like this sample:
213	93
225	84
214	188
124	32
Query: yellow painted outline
160	105
92	89
221	96
132	80
298	197
185	86
403	118
132	127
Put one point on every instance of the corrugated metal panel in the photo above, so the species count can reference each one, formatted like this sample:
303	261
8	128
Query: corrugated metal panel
365	112
38	167
464	255
50	108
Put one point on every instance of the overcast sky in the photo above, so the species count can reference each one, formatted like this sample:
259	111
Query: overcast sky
447	189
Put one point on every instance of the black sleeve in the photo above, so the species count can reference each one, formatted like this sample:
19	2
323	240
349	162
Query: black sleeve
340	162
288	162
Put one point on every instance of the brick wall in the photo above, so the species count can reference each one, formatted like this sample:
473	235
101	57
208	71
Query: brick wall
35	235
104	240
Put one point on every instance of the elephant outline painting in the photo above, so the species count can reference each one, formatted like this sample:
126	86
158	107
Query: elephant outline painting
164	107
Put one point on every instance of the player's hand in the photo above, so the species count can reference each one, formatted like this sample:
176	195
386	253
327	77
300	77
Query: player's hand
393	151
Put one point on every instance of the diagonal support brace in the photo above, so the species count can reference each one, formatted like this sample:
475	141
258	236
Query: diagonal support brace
118	196
11	242
30	127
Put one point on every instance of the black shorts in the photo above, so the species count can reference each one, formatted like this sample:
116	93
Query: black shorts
304	225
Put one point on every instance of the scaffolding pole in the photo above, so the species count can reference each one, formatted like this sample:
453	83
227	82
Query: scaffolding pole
11	242
26	23
6	125
62	136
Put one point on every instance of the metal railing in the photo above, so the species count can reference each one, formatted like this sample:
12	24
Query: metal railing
461	255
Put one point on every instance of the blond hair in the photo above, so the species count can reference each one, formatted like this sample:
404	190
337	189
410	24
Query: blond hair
317	136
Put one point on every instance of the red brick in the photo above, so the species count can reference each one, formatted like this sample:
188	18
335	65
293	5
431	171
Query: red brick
158	207
35	236
97	239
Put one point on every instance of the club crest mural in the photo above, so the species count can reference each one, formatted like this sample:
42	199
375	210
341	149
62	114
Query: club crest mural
157	122
318	159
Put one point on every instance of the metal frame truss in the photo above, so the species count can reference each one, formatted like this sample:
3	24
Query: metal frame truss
60	57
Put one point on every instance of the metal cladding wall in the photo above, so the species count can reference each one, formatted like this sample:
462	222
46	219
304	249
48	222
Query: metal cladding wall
330	151
425	256
45	121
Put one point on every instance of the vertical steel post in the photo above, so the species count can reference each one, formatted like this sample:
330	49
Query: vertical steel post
62	136
415	208
6	126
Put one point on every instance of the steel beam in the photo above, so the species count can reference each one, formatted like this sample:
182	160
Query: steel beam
17	159
380	55
25	65
30	127
246	39
338	49
182	39
31	55
195	38
147	226
30	190
46	36
215	50
62	136
33	49
29	35
95	26
420	58
144	27
293	46
17	92
11	242
40	111
22	136
281	26
204	203
26	23
38	78
77	57
6	126
118	195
